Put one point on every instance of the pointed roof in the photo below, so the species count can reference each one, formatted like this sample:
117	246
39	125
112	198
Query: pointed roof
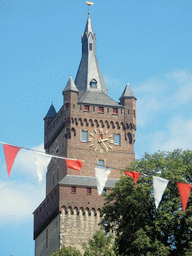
51	112
88	27
127	93
89	69
70	86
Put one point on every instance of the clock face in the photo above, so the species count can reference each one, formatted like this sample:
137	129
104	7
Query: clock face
100	140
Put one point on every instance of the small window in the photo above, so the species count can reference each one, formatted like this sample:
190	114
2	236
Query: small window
57	174
93	108
101	109
73	106
90	47
115	111
80	107
86	107
89	191
47	238
84	136
128	111
107	110
134	112
73	190
93	84
101	162
103	191
67	105
53	178
117	139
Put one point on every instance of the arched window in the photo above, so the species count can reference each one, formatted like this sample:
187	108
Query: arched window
93	84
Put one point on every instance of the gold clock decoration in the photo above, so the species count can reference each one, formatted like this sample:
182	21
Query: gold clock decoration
100	140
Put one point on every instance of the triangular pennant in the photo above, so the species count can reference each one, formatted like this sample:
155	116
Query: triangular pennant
101	174
42	161
74	164
134	175
159	185
184	191
10	155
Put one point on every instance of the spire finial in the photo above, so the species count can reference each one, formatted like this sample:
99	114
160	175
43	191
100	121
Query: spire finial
89	4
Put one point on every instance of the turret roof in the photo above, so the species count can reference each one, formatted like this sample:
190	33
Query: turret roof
70	86
127	93
51	112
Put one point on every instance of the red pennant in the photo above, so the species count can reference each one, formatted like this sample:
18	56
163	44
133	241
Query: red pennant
74	164
184	191
10	154
134	175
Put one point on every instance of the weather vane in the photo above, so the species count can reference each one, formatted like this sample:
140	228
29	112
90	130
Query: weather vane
89	4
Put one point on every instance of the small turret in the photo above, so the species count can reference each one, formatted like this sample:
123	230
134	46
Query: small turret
47	120
70	94
128	100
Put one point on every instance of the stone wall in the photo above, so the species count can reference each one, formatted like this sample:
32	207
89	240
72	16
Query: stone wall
78	225
49	239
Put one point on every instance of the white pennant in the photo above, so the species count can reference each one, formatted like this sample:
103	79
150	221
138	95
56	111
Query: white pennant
101	174
42	162
159	185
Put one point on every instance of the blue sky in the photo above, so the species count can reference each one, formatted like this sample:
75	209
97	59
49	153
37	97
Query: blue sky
147	43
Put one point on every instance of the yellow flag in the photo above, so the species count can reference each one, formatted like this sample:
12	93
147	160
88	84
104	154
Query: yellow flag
89	3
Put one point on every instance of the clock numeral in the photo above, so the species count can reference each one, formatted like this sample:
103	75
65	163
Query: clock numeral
91	145
95	149
106	132
101	151
95	130
110	136
101	130
91	134
111	141
90	139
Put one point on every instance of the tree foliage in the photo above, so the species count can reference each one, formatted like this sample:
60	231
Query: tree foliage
141	229
66	251
99	245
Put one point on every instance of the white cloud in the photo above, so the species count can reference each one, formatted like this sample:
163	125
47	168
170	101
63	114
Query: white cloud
19	200
179	135
22	193
25	162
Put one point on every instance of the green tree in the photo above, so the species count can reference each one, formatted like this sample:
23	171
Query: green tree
99	245
141	229
67	251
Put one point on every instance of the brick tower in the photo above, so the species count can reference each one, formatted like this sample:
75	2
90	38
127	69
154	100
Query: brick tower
70	212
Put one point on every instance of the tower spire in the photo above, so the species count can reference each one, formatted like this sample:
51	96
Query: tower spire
89	74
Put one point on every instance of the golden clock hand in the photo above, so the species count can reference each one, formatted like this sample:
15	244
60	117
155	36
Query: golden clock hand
105	147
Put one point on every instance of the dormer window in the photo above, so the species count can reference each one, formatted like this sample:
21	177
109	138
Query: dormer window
93	84
90	47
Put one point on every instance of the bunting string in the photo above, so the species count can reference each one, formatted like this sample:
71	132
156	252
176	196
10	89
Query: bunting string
101	172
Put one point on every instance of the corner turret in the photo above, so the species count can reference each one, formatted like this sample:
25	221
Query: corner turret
47	120
128	100
70	94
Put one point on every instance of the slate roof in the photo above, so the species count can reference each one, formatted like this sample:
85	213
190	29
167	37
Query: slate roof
70	86
51	112
127	93
89	67
97	98
75	180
